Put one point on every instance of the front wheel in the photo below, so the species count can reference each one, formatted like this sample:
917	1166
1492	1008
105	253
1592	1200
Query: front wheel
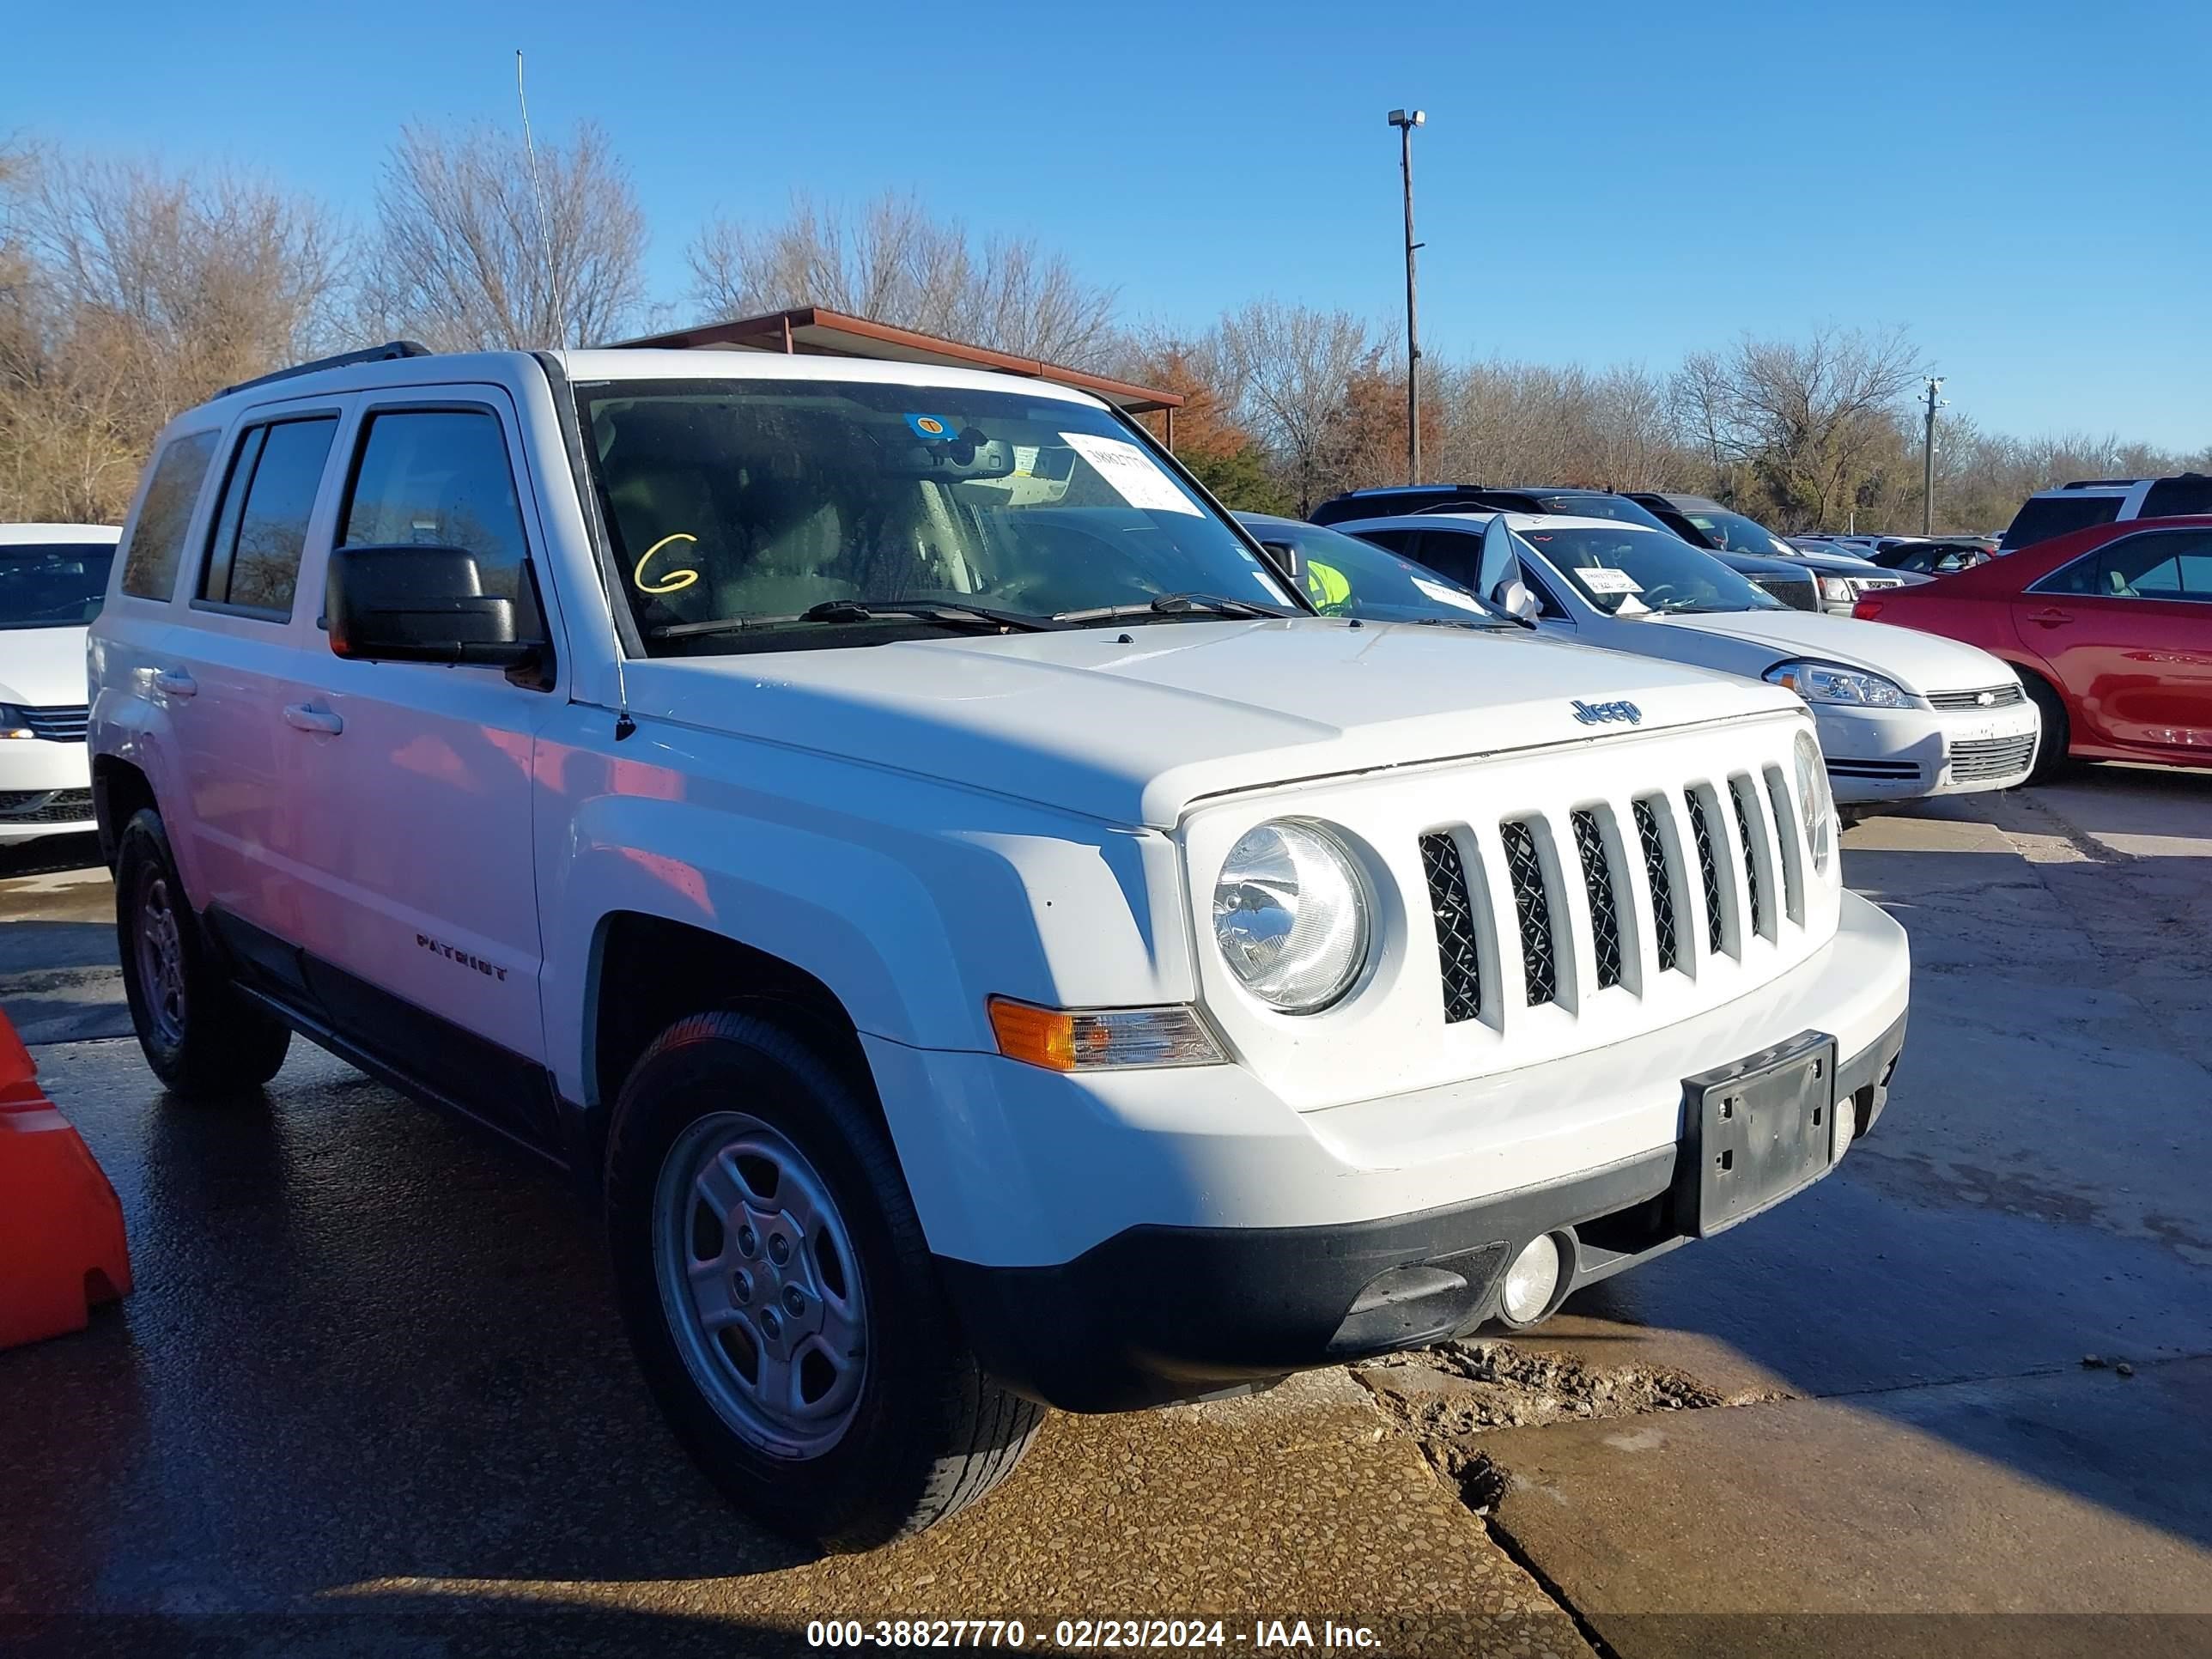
199	1034
780	1294
2051	747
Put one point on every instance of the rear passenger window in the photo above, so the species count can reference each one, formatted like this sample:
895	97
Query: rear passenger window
157	539
253	555
440	478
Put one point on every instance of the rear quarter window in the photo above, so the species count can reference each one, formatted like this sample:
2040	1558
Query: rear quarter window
156	542
2175	498
2042	516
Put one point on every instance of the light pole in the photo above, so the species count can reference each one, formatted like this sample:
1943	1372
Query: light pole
1406	121
1928	459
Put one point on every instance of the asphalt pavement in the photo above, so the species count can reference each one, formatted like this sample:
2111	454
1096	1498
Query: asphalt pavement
370	1396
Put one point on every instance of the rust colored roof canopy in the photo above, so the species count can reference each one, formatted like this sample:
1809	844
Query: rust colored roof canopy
811	330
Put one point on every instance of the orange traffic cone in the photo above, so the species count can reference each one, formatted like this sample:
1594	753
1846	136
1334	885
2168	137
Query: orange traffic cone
61	1246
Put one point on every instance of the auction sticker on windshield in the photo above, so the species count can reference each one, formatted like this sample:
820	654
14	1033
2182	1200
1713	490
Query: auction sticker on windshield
1132	473
1603	578
1443	595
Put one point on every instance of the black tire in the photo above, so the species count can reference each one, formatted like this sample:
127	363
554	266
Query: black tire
202	1038
928	1432
2050	749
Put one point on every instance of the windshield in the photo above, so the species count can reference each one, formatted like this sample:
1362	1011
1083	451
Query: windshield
53	583
757	500
1347	577
1627	572
1737	534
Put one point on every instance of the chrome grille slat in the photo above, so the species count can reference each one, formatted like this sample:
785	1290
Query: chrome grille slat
1459	957
59	723
1532	906
1709	876
1785	826
2000	696
1597	882
1739	788
1662	884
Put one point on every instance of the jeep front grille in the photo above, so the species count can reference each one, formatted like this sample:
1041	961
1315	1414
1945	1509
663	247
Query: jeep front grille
1532	904
1459	958
1750	886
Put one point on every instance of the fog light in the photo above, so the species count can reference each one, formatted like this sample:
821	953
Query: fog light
1531	1281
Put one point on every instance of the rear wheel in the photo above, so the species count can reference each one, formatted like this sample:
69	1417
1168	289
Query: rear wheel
780	1294
198	1033
2050	749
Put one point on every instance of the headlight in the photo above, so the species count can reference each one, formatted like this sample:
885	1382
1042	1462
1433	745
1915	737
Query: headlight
1290	916
1836	590
14	722
1823	681
1820	805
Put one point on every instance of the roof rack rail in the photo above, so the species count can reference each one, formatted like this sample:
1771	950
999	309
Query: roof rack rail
2097	483
383	354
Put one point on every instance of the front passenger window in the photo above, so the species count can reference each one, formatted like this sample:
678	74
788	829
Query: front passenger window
440	478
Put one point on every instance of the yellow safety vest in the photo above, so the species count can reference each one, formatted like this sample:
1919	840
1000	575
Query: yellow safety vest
1326	587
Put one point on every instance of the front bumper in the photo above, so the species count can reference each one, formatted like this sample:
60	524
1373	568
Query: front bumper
1877	755
46	789
1155	1315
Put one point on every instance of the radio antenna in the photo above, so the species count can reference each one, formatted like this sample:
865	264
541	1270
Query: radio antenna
537	194
623	723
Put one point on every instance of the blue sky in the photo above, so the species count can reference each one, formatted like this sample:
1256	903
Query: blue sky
2027	185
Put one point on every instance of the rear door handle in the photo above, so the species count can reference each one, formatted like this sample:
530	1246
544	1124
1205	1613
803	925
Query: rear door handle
306	717
2052	618
175	683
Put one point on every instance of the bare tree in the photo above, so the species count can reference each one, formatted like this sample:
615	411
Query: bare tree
128	293
893	262
1811	418
1297	367
458	259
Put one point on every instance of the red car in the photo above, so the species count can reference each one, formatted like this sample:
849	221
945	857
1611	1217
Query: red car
2111	628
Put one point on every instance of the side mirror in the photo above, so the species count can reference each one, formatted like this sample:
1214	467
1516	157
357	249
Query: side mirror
1514	599
1287	560
413	603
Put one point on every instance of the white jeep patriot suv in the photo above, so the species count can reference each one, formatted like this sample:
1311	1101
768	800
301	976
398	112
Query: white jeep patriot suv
987	943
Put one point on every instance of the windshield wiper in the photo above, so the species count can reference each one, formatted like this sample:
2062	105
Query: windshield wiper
1174	604
851	610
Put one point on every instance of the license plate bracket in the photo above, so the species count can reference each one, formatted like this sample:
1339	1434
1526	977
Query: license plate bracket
1754	1132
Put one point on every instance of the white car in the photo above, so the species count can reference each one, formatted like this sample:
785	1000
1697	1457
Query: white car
1902	714
987	948
53	577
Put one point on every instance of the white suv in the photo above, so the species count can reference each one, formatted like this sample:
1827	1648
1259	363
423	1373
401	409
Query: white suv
52	578
991	944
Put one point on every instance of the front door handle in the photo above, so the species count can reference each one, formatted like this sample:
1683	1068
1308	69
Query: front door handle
306	717
2050	618
175	683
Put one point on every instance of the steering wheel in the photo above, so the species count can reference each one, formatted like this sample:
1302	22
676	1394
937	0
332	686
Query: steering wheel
1655	595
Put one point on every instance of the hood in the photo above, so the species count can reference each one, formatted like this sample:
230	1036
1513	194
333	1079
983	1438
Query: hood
1753	642
43	667
1132	733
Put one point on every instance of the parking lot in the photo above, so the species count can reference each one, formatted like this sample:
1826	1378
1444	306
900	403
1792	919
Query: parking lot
370	1395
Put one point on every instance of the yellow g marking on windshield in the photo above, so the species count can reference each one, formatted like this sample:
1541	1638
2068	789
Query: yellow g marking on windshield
676	581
